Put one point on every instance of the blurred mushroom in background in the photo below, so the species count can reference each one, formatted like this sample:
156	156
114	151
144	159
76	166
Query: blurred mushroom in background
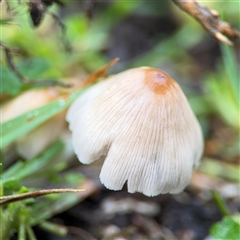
38	139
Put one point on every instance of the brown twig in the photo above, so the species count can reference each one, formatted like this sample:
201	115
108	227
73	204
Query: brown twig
8	55
62	27
18	197
209	19
92	78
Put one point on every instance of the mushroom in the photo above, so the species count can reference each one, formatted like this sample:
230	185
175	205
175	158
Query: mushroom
140	122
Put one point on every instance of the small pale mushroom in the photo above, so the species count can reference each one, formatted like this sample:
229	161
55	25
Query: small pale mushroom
140	122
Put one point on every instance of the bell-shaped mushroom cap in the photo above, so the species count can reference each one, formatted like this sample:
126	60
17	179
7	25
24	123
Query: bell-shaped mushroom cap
141	123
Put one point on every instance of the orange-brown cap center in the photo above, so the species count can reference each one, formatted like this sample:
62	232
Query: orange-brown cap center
158	81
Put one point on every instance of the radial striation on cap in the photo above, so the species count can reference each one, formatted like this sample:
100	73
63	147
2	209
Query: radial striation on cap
141	123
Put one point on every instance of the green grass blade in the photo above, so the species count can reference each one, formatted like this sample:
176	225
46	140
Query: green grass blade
19	126
31	234
220	203
220	169
14	168
54	228
34	165
230	64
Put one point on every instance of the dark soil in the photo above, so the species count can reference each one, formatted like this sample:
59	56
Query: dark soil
103	216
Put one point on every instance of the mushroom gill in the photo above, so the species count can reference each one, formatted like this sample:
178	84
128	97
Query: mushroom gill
141	122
